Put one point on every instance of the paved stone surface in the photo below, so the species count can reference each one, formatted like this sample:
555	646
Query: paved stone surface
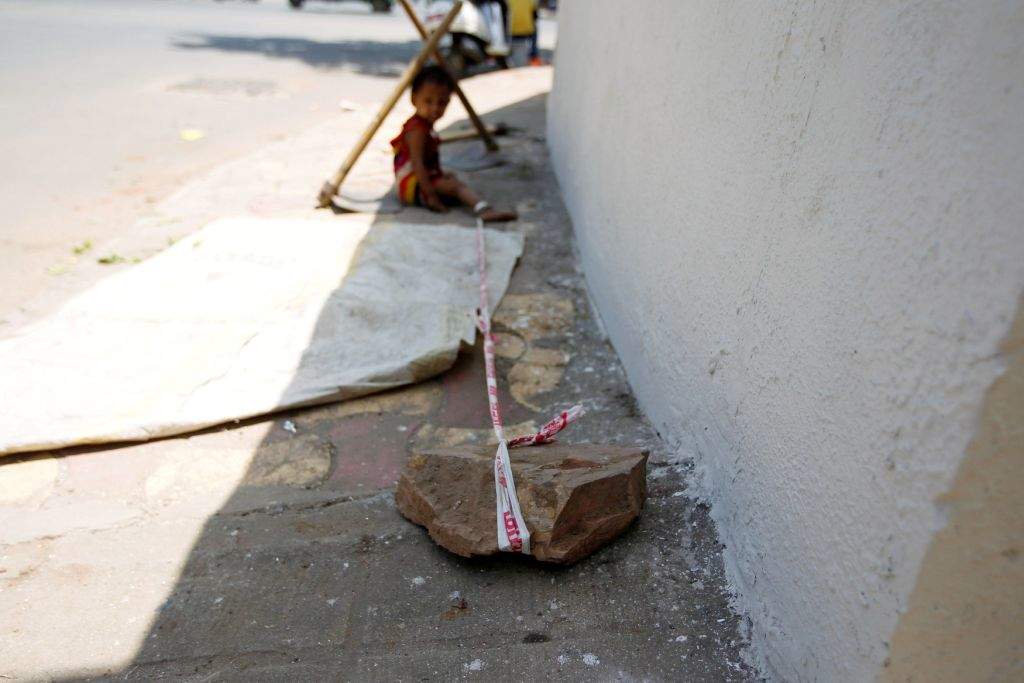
272	550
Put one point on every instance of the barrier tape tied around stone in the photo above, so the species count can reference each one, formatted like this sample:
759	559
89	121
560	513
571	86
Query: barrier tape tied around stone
512	532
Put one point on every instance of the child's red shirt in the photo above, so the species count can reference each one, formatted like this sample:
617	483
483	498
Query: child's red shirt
405	177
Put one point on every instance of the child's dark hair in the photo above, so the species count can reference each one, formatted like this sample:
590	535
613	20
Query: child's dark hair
432	74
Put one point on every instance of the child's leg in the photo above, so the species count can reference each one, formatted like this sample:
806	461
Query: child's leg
451	186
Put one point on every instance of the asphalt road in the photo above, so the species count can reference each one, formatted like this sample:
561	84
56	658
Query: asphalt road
95	97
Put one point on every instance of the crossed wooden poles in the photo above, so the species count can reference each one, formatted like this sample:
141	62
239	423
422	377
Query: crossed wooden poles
428	50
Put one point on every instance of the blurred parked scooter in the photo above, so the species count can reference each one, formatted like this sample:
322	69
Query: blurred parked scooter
479	34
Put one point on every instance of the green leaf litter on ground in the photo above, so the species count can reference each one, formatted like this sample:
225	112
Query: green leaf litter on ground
111	259
82	248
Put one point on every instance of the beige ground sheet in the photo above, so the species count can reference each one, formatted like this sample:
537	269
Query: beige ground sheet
245	317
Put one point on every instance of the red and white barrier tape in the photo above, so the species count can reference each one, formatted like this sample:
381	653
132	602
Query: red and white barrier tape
512	532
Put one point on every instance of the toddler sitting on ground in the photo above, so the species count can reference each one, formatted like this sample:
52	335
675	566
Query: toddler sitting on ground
418	171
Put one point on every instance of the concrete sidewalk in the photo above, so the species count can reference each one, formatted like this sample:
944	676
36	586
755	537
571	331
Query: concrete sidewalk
271	550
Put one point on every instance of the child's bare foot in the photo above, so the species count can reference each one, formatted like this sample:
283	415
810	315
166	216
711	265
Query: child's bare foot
490	215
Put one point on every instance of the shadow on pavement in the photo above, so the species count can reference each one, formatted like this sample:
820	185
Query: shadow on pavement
309	573
369	57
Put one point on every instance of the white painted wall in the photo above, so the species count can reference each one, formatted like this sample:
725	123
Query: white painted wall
803	226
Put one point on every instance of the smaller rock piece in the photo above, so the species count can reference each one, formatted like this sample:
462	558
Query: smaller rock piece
574	498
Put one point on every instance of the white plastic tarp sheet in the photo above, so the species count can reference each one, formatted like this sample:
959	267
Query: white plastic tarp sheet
245	317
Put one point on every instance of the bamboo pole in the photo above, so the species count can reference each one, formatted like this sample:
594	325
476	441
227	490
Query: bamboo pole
439	58
500	129
330	187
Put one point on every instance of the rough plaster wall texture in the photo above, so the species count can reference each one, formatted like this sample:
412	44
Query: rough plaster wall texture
965	616
802	225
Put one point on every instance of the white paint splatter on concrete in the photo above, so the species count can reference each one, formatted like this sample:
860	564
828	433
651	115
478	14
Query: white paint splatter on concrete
475	665
418	581
591	659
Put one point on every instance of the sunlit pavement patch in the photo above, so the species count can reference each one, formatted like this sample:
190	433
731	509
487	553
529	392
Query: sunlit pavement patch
27	479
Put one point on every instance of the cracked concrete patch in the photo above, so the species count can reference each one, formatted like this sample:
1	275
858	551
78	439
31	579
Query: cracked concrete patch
197	472
217	469
71	515
539	371
304	460
18	560
535	316
417	399
28	479
509	345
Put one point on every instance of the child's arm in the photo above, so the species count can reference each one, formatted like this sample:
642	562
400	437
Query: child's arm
417	141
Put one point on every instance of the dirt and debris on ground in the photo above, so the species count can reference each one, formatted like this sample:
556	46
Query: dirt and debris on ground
272	550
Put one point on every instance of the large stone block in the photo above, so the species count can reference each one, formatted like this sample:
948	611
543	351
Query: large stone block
574	498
